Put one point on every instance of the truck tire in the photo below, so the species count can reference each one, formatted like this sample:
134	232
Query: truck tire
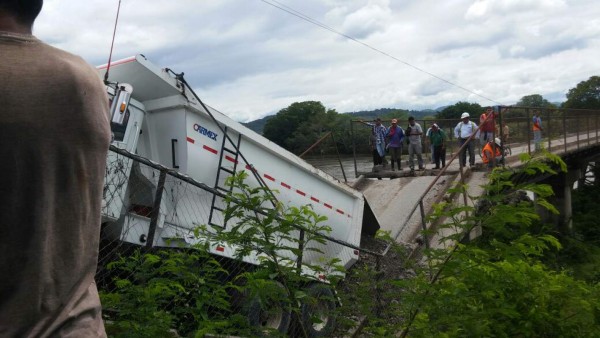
317	312
273	315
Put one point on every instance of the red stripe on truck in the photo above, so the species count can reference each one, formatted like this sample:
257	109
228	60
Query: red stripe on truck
285	185
314	199
301	192
231	159
339	211
328	206
190	140
269	177
214	151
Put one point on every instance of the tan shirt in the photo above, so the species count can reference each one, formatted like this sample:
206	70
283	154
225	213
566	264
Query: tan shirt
54	137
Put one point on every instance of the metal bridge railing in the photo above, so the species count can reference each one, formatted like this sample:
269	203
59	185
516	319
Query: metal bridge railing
563	130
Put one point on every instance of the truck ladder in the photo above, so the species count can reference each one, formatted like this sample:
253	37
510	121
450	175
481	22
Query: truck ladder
237	152
227	172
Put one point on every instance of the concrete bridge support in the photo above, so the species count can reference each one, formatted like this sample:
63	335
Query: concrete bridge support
562	185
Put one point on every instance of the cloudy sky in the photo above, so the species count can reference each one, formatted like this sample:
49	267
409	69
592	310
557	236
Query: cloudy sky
248	58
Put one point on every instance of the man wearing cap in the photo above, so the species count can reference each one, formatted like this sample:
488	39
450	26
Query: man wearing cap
438	142
414	132
489	149
463	132
395	135
377	140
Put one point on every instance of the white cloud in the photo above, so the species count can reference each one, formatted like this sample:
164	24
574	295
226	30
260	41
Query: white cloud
248	59
372	17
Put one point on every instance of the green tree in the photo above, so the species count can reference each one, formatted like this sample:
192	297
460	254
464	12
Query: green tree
586	95
495	285
535	100
298	126
454	111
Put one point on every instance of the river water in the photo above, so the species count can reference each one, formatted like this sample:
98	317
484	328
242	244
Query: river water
331	165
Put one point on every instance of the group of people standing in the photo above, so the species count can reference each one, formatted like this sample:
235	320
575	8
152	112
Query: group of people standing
390	139
384	139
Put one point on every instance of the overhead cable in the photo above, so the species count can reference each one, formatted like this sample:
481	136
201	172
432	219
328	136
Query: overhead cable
305	17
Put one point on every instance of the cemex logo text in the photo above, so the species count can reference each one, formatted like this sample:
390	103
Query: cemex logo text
203	131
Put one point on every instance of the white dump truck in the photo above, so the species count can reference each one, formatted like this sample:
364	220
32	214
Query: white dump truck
156	116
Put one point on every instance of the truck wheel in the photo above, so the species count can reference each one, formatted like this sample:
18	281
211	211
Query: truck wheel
318	310
271	313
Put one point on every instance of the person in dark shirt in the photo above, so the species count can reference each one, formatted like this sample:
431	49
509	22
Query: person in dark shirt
54	138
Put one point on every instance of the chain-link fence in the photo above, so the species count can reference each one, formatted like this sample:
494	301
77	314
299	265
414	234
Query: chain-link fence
179	255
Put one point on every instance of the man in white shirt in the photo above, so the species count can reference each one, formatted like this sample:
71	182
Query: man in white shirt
463	132
414	132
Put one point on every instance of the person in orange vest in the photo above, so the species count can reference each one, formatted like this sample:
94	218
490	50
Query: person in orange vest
489	149
537	130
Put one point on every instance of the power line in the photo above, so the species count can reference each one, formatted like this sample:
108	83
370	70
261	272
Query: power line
304	17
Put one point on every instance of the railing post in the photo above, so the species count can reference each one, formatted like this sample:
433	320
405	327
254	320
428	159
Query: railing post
577	128
565	129
451	141
587	120
528	131
596	127
338	156
549	131
353	148
156	208
424	141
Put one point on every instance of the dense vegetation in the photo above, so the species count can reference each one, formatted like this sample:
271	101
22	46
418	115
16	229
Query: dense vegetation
581	249
520	278
505	283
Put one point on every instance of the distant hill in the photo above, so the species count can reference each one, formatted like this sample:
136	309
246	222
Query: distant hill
259	125
368	114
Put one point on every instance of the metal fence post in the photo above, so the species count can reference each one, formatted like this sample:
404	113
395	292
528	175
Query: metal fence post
339	158
596	126
549	131
353	148
577	128
156	208
587	120
565	130
528	131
